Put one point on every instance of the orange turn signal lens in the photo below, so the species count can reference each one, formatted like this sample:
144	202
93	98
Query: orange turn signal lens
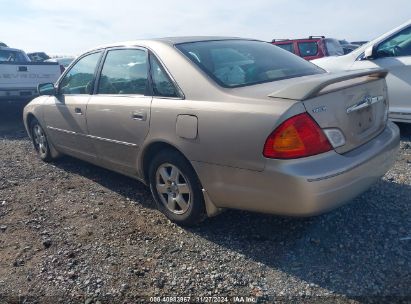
288	140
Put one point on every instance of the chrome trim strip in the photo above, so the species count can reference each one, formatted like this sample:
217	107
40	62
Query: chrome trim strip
94	137
366	102
111	140
61	130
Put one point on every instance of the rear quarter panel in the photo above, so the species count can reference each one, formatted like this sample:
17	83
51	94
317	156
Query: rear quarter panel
230	132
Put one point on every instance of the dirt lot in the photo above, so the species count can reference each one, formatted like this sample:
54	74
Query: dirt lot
71	232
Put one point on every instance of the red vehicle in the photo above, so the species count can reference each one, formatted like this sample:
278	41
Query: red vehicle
310	48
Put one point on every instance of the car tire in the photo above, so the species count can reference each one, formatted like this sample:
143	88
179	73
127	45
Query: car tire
40	141
176	188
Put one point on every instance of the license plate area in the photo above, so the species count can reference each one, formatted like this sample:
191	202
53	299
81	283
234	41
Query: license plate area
362	120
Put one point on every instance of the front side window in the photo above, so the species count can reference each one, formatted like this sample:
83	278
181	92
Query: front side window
235	63
308	48
124	72
398	45
162	85
286	46
79	79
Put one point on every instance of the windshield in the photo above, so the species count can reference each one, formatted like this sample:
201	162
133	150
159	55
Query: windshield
235	63
12	56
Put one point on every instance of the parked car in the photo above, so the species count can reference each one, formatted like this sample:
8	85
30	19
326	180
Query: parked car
391	51
359	43
3	44
38	56
212	123
64	62
312	47
19	77
347	46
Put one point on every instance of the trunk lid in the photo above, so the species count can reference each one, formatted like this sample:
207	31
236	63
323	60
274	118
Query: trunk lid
356	103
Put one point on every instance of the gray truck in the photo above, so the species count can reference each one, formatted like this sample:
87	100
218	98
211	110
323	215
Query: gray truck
19	77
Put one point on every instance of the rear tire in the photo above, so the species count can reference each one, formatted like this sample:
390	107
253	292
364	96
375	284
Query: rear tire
176	188
40	142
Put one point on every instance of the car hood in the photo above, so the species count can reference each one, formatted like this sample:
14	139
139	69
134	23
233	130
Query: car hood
334	63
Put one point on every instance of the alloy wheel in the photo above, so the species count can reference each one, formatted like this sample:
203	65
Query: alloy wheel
173	188
40	140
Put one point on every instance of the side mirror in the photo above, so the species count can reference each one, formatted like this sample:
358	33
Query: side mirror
46	89
369	52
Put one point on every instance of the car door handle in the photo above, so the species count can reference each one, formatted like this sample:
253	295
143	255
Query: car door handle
139	115
78	111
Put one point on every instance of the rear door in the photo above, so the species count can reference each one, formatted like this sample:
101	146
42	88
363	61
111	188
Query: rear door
394	54
65	115
118	115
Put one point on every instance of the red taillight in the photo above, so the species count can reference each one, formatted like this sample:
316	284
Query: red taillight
298	136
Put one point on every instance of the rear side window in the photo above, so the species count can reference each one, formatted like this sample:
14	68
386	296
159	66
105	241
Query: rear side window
12	56
162	85
124	72
79	79
235	63
286	46
308	48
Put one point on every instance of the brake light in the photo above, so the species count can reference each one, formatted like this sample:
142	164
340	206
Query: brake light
298	136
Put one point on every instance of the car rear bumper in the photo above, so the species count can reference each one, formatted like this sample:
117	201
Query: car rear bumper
402	116
302	187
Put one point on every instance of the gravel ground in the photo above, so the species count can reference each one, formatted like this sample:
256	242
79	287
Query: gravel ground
71	232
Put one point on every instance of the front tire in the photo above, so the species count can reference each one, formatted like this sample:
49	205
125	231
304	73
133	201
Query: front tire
176	188
40	142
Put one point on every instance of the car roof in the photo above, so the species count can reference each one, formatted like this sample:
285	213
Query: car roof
311	38
169	41
10	49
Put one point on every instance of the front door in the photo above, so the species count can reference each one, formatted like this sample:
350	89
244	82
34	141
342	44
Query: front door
394	54
65	116
118	115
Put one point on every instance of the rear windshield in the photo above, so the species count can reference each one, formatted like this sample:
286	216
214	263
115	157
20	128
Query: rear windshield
12	56
235	63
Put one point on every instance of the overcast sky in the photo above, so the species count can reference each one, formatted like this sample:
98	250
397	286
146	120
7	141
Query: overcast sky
72	26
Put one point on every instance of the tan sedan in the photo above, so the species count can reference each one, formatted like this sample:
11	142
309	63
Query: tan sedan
214	123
